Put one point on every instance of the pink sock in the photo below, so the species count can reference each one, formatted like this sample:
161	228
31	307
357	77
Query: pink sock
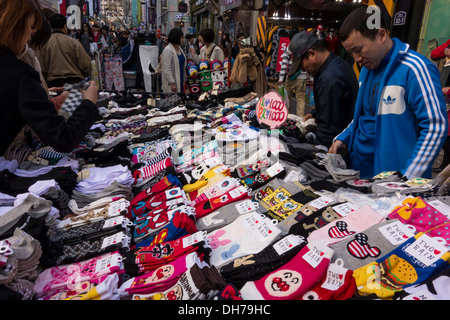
292	280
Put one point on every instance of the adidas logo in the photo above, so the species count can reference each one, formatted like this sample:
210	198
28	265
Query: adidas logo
389	100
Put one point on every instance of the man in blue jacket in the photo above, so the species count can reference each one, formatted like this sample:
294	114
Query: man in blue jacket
400	121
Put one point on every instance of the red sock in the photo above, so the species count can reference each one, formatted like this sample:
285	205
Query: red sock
207	206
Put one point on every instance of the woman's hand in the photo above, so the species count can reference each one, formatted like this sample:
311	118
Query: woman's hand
90	93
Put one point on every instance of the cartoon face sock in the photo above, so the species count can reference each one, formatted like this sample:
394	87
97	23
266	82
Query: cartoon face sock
411	263
293	279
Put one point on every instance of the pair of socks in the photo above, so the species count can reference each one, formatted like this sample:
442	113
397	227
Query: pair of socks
151	170
365	247
337	284
180	225
248	234
217	189
162	278
338	230
293	279
86	249
146	259
208	206
254	266
58	278
418	213
226	215
336	166
195	284
412	263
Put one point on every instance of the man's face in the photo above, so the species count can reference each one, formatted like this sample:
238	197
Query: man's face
310	62
369	53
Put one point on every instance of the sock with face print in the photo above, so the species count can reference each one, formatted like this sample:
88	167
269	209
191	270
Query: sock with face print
293	279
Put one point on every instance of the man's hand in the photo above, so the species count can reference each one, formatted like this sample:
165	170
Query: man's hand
307	116
173	87
337	145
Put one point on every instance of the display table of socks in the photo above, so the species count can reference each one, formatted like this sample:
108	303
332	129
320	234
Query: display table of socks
188	199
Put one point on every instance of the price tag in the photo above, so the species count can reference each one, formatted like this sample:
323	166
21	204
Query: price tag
420	295
252	219
321	202
115	239
396	232
108	262
220	169
275	169
314	256
117	221
237	192
426	250
265	229
335	277
287	243
344	209
118	207
193	239
83	175
246	206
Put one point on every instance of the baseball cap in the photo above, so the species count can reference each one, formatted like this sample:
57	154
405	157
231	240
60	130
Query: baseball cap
299	45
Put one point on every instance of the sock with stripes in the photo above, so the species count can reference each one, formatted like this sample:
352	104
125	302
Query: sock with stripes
149	171
340	229
364	247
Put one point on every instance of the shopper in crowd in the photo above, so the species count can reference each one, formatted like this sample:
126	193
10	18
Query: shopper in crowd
86	37
442	53
335	85
237	44
105	40
24	100
73	33
162	43
173	63
295	84
38	40
63	59
209	51
124	38
400	121
188	43
96	32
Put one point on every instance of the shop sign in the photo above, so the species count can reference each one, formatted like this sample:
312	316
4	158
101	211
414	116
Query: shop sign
272	110
400	18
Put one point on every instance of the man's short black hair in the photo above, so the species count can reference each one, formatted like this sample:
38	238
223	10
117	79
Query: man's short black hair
207	35
175	36
357	20
58	21
320	46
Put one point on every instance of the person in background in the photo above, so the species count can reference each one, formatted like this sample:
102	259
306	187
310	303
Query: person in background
86	37
96	32
73	33
400	121
173	63
295	84
209	51
236	46
24	100
335	85
63	59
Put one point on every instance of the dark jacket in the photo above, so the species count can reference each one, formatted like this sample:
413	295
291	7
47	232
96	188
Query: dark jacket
335	93
23	101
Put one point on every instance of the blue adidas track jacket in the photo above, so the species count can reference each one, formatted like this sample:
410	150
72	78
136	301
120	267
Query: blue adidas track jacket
411	120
